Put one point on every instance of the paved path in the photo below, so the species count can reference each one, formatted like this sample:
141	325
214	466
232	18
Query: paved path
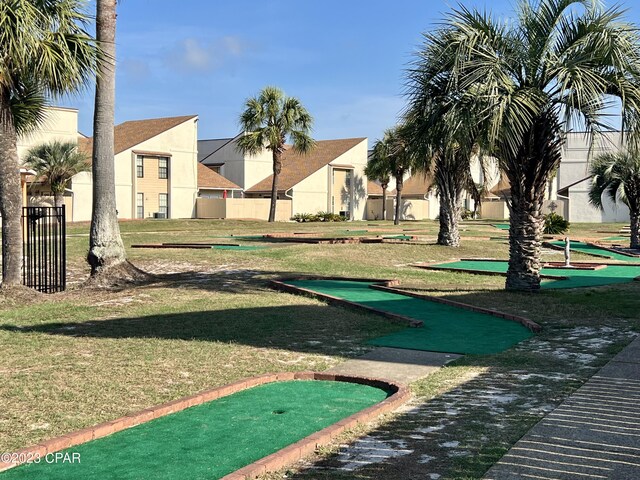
594	434
397	364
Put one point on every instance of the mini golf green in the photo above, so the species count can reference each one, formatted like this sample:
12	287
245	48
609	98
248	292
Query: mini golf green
211	440
501	226
616	239
399	237
590	249
446	328
610	275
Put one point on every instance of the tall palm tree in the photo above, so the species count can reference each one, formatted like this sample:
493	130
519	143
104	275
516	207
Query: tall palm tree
56	162
268	121
46	52
618	176
452	178
449	139
394	150
558	66
379	168
106	249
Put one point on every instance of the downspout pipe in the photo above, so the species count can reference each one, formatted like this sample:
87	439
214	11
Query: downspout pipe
290	196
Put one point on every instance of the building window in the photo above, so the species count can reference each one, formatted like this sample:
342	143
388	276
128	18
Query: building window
163	204
140	166
163	167
140	205
215	168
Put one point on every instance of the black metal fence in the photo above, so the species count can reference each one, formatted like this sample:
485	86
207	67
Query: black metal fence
44	264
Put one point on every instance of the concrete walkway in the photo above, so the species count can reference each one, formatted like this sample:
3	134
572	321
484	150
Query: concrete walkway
397	364
594	434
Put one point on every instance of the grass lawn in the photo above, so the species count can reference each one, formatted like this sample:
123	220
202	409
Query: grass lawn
88	355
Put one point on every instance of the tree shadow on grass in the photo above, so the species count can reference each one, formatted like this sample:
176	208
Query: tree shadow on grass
300	328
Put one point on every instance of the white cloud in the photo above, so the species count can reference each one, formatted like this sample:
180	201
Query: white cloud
194	54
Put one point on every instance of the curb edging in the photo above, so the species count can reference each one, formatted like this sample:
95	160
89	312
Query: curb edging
286	456
283	286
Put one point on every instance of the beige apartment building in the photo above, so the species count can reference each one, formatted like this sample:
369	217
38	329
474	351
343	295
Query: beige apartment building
156	166
330	178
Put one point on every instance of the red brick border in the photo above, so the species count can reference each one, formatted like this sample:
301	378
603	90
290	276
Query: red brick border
389	286
203	246
613	250
597	245
288	455
575	265
283	286
435	266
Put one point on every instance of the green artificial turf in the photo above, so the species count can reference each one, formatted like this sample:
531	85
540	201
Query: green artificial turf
593	250
214	439
616	239
609	275
501	226
446	328
399	237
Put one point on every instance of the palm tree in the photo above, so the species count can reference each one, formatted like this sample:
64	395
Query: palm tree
268	120
618	176
452	178
449	141
379	168
56	162
394	151
529	81
106	249
46	52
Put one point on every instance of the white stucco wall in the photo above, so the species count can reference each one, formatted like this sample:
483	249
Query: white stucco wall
82	188
311	195
580	210
577	154
59	124
356	157
181	142
243	170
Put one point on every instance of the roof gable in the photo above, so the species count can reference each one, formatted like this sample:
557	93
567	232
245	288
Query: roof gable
296	166
129	134
417	184
207	178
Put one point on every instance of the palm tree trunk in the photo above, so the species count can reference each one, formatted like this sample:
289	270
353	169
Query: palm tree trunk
277	168
635	229
10	197
106	249
58	199
399	185
525	233
384	202
449	235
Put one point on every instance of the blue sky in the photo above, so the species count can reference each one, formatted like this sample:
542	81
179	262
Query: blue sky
343	59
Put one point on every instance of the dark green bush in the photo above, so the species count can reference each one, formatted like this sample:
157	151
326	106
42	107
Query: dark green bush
318	217
304	217
555	224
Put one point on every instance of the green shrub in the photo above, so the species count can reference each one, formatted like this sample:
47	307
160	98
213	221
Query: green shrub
319	217
555	224
330	217
304	217
466	214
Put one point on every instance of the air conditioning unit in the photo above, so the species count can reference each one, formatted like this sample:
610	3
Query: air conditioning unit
159	215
